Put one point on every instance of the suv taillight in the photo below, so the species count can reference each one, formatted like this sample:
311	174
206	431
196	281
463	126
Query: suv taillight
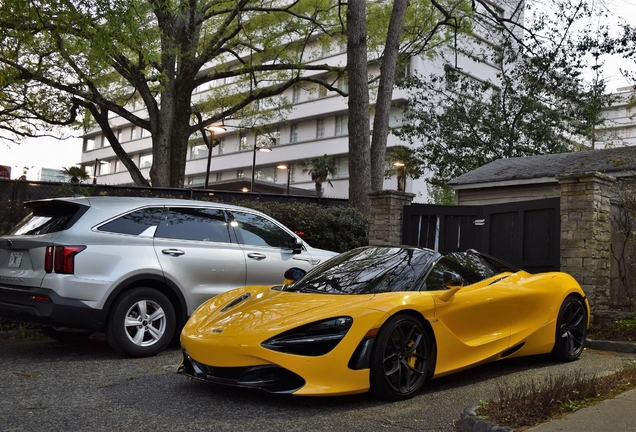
61	259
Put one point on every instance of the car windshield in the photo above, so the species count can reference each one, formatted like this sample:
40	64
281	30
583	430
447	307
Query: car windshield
368	271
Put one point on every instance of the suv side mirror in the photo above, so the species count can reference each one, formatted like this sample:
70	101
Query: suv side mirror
297	247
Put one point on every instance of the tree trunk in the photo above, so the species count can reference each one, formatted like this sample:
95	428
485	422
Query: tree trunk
385	94
359	154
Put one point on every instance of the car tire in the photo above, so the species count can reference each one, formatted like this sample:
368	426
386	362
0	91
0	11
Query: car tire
141	323
571	329
400	359
70	336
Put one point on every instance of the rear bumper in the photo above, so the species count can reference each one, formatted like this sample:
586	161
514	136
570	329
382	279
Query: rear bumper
44	306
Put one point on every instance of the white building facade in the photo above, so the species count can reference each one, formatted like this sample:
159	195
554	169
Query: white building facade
316	125
619	127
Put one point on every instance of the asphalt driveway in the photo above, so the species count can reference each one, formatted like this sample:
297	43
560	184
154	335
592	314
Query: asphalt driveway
46	385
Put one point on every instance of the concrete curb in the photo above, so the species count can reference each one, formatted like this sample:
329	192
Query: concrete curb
471	422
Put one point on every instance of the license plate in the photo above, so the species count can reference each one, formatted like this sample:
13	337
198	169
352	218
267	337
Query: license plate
15	259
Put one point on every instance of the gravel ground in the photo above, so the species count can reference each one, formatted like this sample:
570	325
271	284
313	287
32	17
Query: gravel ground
46	385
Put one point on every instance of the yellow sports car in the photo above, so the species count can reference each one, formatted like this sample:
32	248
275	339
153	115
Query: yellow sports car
383	319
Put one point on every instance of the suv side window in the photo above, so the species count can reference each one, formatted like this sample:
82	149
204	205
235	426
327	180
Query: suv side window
255	230
134	223
201	224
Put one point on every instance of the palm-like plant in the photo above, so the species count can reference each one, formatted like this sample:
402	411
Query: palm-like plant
403	162
320	168
76	173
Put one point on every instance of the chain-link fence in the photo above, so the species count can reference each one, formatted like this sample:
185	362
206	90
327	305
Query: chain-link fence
13	194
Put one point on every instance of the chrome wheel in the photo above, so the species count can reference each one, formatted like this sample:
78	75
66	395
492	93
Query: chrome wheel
145	323
142	323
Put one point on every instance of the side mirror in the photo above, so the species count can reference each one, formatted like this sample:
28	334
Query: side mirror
454	283
293	274
452	280
297	247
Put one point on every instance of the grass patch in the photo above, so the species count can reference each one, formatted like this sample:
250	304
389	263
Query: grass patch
527	404
620	330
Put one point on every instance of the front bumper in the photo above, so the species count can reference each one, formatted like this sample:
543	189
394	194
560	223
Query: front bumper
271	378
44	306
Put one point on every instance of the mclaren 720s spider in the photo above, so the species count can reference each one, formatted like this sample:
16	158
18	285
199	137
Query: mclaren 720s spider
384	320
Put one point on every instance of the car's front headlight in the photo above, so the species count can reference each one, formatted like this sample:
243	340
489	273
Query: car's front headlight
314	339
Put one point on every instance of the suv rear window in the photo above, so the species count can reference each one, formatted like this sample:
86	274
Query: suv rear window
48	217
134	223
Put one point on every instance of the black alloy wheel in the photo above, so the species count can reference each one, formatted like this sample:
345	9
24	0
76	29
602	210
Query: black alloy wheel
571	329
400	358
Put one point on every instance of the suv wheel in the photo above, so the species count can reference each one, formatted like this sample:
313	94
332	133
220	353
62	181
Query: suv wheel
141	323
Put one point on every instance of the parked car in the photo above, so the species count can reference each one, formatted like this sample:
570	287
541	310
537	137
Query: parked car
383	319
136	268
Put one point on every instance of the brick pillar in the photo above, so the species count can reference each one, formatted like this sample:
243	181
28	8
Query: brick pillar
586	233
385	228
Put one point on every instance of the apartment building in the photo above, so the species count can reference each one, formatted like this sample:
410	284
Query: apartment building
317	124
619	128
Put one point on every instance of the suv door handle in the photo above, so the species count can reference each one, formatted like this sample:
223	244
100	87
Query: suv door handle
173	252
256	256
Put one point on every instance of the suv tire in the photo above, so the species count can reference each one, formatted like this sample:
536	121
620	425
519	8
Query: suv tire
141	323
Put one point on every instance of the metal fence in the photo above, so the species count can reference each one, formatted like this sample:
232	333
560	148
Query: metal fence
13	194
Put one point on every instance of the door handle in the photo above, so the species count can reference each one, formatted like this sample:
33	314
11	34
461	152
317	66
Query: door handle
173	252
256	256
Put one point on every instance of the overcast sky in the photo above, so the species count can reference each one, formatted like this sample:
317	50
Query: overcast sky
35	154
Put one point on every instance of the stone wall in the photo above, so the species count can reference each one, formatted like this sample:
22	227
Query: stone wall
387	207
586	233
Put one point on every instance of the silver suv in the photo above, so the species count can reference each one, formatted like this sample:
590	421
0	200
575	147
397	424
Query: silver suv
136	268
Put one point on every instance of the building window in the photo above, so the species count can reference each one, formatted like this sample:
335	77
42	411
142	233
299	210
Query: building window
320	128
119	166
89	144
240	174
104	167
221	145
293	133
196	180
343	84
144	133
342	168
322	91
267	174
145	160
219	176
133	133
342	125
198	151
243	146
268	140
296	94
265	141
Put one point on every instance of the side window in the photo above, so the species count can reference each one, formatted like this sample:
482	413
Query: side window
134	223
435	279
199	224
258	231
